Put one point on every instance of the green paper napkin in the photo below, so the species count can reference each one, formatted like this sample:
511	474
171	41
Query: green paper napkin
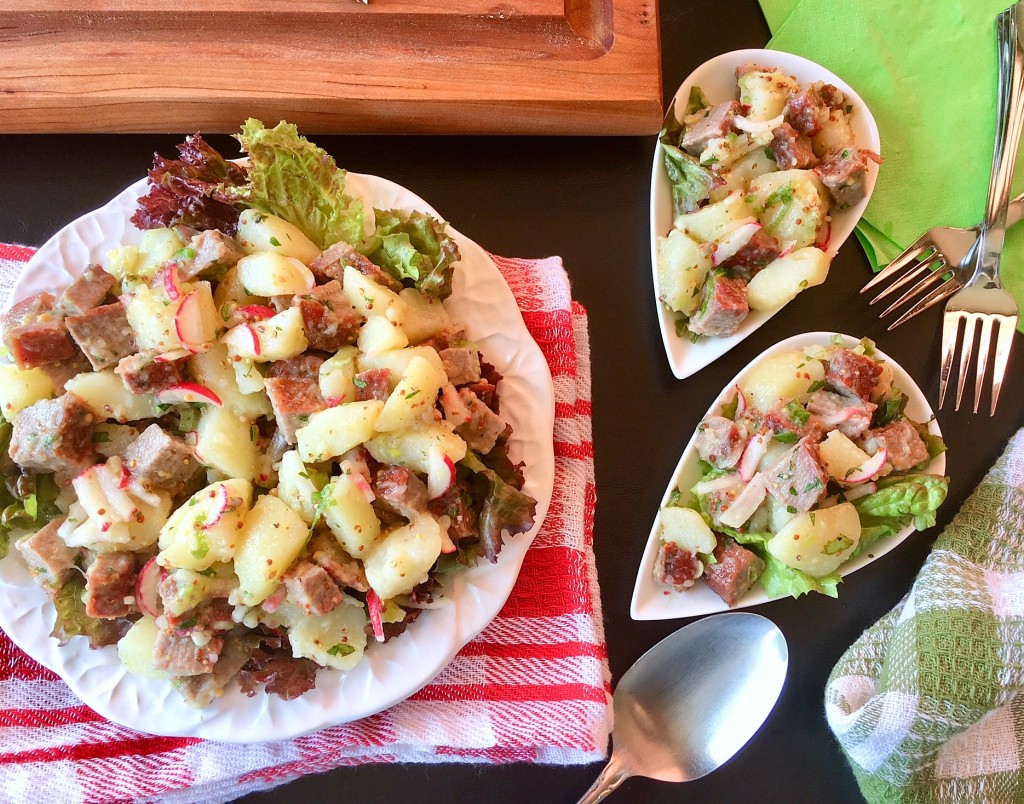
928	72
926	704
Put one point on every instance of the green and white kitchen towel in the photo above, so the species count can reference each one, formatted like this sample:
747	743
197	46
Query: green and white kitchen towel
925	704
928	72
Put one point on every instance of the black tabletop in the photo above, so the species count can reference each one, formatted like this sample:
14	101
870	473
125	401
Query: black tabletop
586	199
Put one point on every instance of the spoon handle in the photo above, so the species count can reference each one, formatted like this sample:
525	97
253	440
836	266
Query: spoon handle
611	777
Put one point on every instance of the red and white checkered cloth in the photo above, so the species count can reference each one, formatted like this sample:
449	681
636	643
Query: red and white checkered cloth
533	687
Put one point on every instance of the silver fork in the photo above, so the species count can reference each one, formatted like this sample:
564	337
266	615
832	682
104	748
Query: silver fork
983	300
941	253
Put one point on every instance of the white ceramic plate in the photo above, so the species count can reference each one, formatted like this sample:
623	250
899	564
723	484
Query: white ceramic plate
717	78
390	672
654	602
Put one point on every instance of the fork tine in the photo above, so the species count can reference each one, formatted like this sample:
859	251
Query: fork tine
923	243
929	279
922	268
983	347
950	328
943	291
1007	326
966	349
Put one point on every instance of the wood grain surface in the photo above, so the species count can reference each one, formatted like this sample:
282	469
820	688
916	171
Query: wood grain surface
387	66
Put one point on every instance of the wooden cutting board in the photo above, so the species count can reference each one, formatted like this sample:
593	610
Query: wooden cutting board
384	66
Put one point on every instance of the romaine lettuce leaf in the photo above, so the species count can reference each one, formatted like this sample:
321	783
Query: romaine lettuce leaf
779	580
290	177
691	181
414	246
900	501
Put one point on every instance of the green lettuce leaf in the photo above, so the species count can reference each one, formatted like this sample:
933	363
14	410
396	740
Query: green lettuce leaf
414	246
900	501
72	620
691	181
779	580
290	177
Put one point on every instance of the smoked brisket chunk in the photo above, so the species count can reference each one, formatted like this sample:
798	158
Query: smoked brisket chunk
720	441
851	373
60	373
461	365
36	334
844	171
723	306
331	262
294	401
87	291
791	148
676	567
47	556
716	122
328	318
760	250
402	490
806	111
143	374
904	445
109	582
303	367
103	334
160	460
797	479
311	588
373	384
851	416
180	656
735	571
214	250
54	435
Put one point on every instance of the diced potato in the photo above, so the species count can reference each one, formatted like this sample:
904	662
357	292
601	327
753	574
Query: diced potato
788	375
269	274
682	270
205	530
276	338
841	455
337	373
230	294
818	542
336	430
782	279
136	534
834	133
157	247
738	176
270	541
121	261
137	649
424	316
403	558
727	150
710	222
108	398
411	448
413	399
380	334
151	316
213	324
226	441
350	516
258	231
779	514
766	93
792	205
398	360
215	370
248	377
294	486
336	639
371	299
20	388
685	528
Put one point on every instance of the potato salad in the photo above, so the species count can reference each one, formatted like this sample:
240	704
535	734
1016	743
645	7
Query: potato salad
256	441
754	181
808	465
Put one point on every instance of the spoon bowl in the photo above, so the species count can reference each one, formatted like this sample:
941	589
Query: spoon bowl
694	700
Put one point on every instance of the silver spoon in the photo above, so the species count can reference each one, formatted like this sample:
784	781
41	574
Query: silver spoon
693	700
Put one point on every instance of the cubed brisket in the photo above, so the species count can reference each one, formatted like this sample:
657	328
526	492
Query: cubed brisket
455	505
461	365
331	262
344	570
201	690
143	373
485	426
60	373
160	460
806	111
789	416
735	571
311	588
373	384
797	479
760	250
302	367
87	291
714	122
53	435
676	567
401	490
36	334
851	416
447	337
294	401
844	170
110	585
329	319
851	373
48	558
720	441
723	306
180	656
103	334
791	148
904	445
214	251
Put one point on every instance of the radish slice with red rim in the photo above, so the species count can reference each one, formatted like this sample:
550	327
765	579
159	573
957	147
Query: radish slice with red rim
373	605
756	447
746	503
869	469
147	588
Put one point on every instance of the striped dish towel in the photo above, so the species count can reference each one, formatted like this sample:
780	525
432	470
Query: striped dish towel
533	687
926	703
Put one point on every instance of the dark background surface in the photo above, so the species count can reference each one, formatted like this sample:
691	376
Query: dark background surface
586	199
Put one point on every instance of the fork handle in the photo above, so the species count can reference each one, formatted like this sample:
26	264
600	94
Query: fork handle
1015	211
1009	123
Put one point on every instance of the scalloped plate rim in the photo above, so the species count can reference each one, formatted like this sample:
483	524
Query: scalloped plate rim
686	358
384	678
653	602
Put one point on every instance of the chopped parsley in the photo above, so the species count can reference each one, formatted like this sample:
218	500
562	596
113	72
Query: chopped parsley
100	438
797	412
341	649
817	385
359	382
275	242
837	545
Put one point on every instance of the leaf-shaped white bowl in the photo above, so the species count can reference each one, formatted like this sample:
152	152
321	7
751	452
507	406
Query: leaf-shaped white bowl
717	78
654	602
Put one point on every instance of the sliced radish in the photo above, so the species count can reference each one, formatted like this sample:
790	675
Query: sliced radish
723	483
869	469
188	392
273	603
730	243
440	473
787	249
757	126
862	490
171	286
126	476
824	236
140	492
746	502
255	339
188	322
741	402
178	354
333	401
109	479
756	447
147	588
373	605
221	505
